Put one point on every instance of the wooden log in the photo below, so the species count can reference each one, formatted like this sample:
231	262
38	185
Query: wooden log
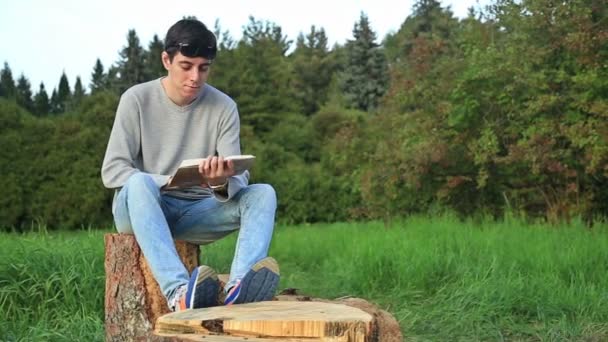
265	321
133	300
273	319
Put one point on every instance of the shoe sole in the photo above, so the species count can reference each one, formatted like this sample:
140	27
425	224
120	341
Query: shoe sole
206	288
260	283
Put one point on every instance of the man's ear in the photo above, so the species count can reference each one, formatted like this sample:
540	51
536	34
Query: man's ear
166	60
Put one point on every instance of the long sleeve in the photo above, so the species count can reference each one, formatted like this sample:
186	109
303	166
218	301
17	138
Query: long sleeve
228	144
124	146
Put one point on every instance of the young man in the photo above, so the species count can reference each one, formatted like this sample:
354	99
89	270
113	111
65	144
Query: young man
162	122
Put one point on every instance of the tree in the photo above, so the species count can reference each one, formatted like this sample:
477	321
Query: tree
154	67
24	93
365	76
256	74
54	102
7	84
224	39
42	106
63	96
79	93
98	77
313	69
131	67
430	27
113	80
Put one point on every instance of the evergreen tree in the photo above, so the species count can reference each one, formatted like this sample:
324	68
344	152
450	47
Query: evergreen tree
113	80
79	93
430	27
64	94
313	70
54	103
256	74
98	77
131	67
154	67
7	84
42	106
264	88
365	77
24	93
224	39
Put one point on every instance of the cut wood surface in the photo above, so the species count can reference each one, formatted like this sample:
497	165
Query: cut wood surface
272	319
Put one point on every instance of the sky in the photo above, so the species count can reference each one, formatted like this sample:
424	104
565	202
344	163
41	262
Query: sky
41	39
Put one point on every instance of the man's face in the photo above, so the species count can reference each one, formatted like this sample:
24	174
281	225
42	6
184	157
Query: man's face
186	74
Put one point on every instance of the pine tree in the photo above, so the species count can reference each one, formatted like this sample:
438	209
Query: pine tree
313	70
112	79
64	94
154	67
225	41
42	107
98	78
430	22
131	65
365	77
79	93
24	93
54	103
261	75
7	84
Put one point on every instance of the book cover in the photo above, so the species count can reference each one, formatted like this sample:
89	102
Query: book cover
187	174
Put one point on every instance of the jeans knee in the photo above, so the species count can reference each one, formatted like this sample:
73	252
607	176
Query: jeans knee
141	184
264	195
140	180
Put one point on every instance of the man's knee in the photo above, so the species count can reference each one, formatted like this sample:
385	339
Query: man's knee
264	195
140	180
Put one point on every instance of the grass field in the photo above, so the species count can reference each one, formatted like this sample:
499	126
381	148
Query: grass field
444	280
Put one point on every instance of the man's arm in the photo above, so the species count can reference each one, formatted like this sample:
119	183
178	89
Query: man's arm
124	146
229	144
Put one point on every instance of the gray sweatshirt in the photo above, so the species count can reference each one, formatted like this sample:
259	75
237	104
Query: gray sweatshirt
152	134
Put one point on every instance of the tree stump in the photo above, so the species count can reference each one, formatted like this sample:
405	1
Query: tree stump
133	300
290	317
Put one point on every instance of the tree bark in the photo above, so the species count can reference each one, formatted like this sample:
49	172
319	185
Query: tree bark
133	298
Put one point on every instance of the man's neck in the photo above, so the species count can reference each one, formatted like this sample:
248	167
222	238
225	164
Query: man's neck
173	94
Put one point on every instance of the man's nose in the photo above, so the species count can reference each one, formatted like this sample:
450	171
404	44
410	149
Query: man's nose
194	74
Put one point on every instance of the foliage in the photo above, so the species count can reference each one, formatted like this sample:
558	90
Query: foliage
63	96
364	78
502	111
7	83
131	65
153	65
313	68
24	93
98	80
42	105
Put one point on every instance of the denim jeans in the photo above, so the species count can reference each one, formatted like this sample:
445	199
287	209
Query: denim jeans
156	219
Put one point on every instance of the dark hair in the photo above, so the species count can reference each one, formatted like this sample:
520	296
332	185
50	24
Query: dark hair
192	38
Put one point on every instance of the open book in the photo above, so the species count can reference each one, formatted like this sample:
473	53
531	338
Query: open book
187	173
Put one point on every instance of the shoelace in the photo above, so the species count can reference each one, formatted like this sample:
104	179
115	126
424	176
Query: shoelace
177	296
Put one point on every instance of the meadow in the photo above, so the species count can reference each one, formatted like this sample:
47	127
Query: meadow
442	278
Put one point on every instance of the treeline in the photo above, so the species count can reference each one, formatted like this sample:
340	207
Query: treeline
505	110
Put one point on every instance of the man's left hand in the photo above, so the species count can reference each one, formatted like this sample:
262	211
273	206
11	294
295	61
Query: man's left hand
215	170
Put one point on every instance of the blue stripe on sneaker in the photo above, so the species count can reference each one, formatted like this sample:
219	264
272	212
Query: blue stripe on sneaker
191	288
233	294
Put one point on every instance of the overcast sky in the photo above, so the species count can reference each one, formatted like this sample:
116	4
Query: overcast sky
41	39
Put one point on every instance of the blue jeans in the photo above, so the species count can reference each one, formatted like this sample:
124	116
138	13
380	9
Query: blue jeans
156	219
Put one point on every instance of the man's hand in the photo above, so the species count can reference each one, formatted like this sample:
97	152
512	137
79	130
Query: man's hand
215	171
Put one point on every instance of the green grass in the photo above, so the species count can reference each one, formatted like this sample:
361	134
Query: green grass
441	278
